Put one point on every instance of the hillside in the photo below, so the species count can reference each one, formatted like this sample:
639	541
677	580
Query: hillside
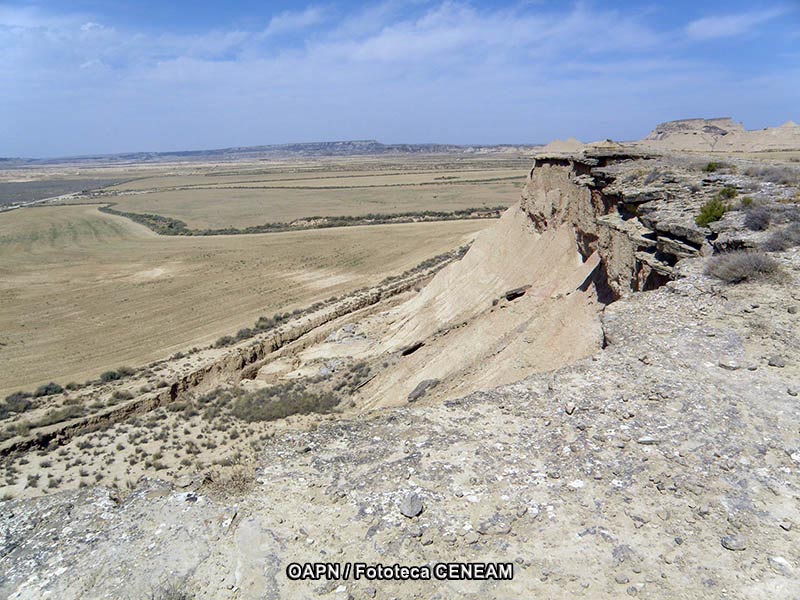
602	390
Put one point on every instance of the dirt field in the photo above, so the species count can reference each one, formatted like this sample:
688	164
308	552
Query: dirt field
83	292
211	209
239	196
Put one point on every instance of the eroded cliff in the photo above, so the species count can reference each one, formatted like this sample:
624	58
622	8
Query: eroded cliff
663	465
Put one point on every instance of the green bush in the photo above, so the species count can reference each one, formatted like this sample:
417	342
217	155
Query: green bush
727	193
711	211
713	167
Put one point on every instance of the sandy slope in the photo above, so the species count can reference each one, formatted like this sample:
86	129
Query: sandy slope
473	337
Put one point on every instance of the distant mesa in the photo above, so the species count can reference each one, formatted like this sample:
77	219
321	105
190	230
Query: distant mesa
721	134
563	146
720	126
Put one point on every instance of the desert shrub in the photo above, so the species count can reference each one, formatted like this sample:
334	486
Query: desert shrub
781	174
48	389
711	211
280	401
264	323
125	371
758	218
17	402
244	334
735	267
109	376
73	385
121	395
172	591
727	193
712	167
786	238
746	202
58	415
225	340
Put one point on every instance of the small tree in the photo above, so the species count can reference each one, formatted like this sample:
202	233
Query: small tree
711	211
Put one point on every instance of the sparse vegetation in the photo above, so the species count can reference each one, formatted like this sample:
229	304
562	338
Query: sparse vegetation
735	267
225	340
280	401
758	218
171	226
711	211
48	389
713	167
18	402
172	591
779	174
786	238
58	415
109	376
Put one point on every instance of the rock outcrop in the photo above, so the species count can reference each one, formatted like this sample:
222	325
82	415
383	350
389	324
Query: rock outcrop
721	135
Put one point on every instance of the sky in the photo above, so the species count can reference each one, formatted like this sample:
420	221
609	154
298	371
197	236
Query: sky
93	76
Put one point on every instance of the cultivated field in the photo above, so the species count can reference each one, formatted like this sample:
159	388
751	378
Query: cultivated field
227	196
83	292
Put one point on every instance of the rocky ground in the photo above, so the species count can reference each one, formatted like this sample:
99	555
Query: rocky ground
665	465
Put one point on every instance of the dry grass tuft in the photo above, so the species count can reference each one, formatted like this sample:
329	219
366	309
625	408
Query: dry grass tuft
735	267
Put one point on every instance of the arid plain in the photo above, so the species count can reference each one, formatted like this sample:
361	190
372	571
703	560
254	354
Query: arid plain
84	291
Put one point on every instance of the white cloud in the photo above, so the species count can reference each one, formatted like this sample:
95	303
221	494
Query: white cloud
720	26
404	70
294	21
91	26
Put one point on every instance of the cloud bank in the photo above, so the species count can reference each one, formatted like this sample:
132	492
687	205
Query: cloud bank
396	71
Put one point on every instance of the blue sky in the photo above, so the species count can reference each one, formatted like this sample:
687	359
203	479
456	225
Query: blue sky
90	76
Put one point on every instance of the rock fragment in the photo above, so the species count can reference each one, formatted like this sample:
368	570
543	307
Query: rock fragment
730	363
648	440
777	361
422	389
734	543
411	506
780	565
471	537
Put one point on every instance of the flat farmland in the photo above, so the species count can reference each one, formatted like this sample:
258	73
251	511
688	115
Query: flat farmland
315	179
83	292
204	208
231	196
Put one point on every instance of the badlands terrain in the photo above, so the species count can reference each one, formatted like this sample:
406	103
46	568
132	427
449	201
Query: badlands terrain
600	387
